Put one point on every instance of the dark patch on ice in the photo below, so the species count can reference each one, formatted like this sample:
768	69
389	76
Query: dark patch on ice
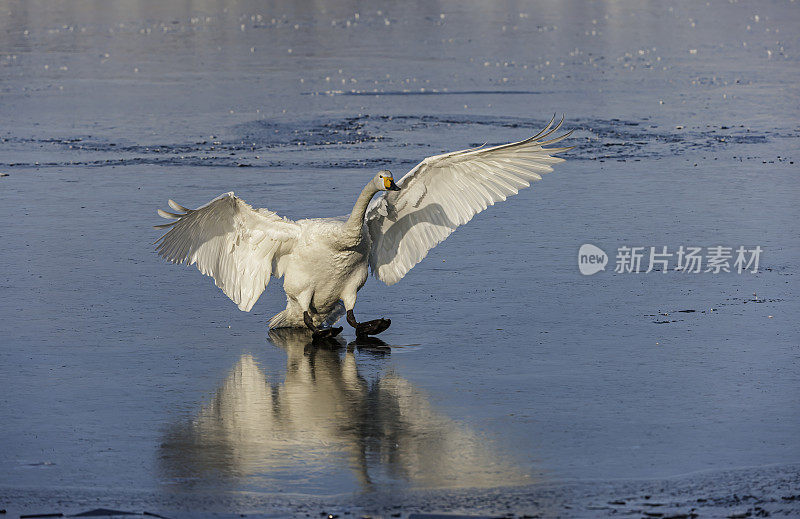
430	92
325	132
384	140
97	512
447	516
103	512
658	317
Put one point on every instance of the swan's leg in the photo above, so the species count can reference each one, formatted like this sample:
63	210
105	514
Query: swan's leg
317	333
364	329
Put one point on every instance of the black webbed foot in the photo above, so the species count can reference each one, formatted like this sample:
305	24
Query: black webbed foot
326	333
320	333
365	329
373	327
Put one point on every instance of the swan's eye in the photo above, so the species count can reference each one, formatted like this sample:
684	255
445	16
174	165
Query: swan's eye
387	182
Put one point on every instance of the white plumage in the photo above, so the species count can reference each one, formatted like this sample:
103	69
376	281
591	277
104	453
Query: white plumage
230	241
324	262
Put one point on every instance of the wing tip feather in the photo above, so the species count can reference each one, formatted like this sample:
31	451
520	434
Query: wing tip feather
167	215
178	207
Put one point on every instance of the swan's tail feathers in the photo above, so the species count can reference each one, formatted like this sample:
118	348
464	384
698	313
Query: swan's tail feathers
281	320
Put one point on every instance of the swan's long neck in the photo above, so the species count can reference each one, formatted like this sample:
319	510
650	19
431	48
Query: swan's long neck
355	222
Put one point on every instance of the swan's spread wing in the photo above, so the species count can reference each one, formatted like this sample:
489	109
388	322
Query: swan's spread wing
230	241
446	191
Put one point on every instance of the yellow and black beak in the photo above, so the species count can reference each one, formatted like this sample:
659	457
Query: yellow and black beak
388	183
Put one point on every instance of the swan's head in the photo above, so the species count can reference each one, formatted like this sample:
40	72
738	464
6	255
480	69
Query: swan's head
383	181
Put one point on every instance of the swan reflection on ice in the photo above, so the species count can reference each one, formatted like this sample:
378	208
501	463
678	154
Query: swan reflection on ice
326	427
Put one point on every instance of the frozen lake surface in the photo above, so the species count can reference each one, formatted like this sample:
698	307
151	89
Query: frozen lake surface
512	383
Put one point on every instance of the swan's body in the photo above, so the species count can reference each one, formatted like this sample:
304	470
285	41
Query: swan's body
325	261
330	267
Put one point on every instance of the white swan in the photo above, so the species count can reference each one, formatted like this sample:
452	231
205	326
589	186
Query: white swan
325	261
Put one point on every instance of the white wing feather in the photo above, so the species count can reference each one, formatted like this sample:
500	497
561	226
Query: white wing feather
445	191
230	241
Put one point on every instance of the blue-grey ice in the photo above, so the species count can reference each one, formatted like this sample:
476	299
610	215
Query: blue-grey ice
508	382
